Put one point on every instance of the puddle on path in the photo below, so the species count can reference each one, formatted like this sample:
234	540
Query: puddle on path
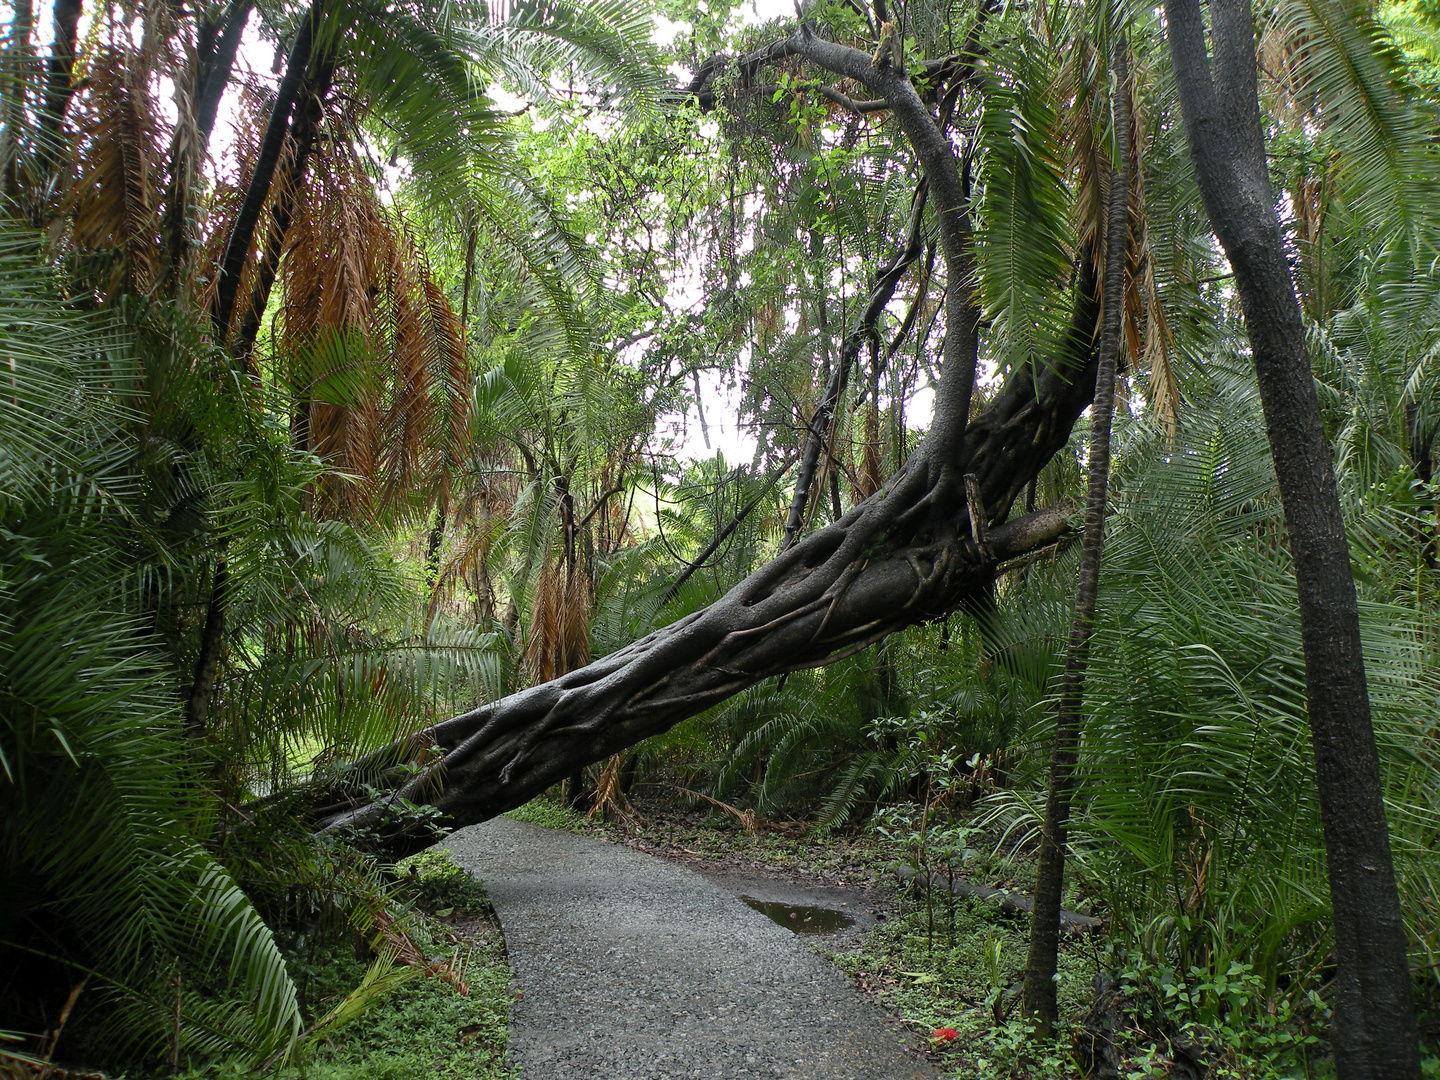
801	919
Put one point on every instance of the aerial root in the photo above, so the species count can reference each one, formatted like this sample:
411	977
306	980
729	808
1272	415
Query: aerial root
531	737
841	586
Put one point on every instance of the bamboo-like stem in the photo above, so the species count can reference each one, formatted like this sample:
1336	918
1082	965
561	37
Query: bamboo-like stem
1039	997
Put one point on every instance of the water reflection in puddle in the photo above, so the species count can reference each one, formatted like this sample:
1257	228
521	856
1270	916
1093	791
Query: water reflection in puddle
803	920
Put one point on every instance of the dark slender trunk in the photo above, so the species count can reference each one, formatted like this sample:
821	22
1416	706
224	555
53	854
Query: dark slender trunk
1039	1000
237	248
432	547
15	80
703	559
1373	1033
304	132
212	644
59	86
465	287
818	432
216	66
217	41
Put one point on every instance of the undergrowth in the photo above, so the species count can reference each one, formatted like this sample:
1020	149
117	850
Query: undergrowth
425	1029
419	1025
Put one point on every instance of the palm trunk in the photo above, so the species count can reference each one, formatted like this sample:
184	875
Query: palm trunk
305	131
59	85
1373	1033
213	73
16	94
212	642
237	247
1039	998
217	42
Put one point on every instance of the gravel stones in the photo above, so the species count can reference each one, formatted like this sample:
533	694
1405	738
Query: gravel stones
629	967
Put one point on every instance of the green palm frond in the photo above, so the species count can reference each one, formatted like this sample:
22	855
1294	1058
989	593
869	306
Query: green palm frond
1341	58
1023	218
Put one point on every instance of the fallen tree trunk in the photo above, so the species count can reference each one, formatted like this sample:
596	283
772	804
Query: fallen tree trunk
908	554
901	558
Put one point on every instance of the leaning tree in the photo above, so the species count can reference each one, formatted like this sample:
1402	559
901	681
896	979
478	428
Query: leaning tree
931	539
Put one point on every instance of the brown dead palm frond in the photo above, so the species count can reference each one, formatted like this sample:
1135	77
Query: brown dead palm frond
368	344
1076	86
558	640
609	800
113	200
1148	339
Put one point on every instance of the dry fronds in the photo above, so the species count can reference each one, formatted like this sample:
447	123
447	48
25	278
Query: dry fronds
609	800
559	634
389	932
369	345
113	199
748	819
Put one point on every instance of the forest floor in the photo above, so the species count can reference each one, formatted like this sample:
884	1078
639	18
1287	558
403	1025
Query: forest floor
947	972
950	968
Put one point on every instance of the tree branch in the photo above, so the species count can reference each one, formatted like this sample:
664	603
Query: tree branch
818	430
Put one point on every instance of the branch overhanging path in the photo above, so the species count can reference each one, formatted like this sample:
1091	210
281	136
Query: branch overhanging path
906	555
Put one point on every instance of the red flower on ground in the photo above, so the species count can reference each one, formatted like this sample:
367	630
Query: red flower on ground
945	1035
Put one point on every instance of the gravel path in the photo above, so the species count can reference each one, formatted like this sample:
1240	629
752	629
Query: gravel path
632	968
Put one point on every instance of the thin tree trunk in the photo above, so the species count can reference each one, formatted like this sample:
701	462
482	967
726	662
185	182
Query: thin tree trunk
432	547
209	74
304	132
1039	999
1373	1033
212	641
237	247
700	560
59	86
16	80
216	66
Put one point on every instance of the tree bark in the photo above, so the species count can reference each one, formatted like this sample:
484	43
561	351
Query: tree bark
1038	992
216	65
212	642
59	84
1373	1033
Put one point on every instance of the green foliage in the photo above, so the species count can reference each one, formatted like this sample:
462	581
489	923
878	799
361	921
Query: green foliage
95	811
969	983
549	814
